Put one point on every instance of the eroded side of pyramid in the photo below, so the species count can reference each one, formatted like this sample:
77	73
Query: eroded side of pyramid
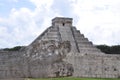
62	30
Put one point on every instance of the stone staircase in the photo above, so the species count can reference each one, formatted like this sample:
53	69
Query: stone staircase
85	46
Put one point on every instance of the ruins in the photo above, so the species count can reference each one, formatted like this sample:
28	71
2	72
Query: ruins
61	50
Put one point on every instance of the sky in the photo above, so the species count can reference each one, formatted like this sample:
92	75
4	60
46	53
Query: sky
21	21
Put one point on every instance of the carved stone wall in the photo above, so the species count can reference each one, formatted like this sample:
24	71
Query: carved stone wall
11	64
95	65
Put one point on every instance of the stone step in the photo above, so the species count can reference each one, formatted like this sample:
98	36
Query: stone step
51	36
53	30
52	33
85	45
78	35
77	32
44	33
44	39
74	29
82	40
89	49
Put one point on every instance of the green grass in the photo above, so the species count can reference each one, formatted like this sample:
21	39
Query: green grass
72	78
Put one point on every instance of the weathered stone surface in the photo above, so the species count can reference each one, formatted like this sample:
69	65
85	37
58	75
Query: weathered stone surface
96	65
61	50
44	59
11	65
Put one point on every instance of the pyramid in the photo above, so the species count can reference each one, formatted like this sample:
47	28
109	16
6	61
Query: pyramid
63	30
85	59
60	51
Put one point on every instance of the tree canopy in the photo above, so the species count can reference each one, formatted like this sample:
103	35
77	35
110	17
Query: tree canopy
109	49
17	48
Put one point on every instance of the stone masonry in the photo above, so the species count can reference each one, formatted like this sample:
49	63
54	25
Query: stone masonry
61	50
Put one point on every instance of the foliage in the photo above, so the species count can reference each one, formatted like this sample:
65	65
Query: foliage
17	48
109	49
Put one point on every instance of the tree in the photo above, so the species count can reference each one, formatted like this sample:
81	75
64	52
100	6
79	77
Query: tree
17	48
109	49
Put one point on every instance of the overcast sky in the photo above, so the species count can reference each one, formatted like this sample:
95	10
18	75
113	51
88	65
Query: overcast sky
21	21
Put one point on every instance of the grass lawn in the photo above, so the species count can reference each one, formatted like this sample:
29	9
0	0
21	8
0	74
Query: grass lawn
71	78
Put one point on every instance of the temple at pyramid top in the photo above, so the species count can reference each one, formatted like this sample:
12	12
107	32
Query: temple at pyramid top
61	29
62	21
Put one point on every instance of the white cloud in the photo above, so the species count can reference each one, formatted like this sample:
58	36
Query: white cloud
23	25
1	20
13	0
19	27
42	3
97	19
